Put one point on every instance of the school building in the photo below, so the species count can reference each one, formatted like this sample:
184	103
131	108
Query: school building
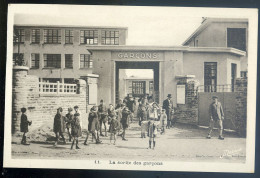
216	54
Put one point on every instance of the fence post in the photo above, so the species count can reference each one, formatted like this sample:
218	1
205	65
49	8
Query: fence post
58	87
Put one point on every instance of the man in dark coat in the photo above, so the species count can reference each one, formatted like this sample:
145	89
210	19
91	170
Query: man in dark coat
168	106
24	126
216	116
102	114
59	126
93	125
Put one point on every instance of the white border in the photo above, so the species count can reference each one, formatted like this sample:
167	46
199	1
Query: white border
251	14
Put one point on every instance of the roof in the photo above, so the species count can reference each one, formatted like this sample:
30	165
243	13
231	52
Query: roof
206	22
70	26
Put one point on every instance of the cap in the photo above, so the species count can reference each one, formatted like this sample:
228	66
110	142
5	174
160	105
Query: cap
76	107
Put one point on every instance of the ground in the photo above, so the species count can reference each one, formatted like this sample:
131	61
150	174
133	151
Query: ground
181	143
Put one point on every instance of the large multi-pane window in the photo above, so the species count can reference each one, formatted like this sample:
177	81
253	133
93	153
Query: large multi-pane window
35	59
52	60
236	38
18	36
210	76
35	35
138	88
110	37
86	61
69	61
15	58
52	36
89	37
69	36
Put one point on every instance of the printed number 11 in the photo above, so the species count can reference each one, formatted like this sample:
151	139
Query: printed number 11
97	162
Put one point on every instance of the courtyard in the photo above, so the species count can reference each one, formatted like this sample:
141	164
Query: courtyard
181	143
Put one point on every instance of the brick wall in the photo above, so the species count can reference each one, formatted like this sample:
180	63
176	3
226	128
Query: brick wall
241	106
188	112
41	108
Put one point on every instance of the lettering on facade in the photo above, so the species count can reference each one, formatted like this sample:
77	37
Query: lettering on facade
140	55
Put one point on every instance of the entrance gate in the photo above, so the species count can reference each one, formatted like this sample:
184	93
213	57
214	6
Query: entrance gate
139	65
228	101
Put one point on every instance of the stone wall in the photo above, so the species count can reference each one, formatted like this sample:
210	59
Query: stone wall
188	112
241	106
41	107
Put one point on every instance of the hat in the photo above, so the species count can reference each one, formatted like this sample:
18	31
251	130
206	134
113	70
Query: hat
23	109
213	97
70	109
76	107
93	107
101	100
169	95
60	109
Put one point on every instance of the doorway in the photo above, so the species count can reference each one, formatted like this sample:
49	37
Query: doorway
138	88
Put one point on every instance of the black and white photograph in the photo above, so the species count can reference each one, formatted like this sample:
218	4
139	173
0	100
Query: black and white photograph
131	88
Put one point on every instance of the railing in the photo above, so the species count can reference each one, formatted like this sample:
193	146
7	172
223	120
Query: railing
56	88
216	88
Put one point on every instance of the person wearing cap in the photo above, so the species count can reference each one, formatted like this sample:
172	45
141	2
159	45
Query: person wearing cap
102	115
69	118
125	121
59	126
76	128
168	106
24	126
93	125
216	117
154	111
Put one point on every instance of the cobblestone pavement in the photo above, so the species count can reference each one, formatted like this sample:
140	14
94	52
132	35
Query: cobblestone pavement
182	143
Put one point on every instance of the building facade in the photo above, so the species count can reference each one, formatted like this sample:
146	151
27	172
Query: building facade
96	54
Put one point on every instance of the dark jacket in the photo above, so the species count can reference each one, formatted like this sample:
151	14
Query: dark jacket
69	118
125	119
130	105
216	111
75	126
24	123
59	123
168	106
93	123
102	113
114	126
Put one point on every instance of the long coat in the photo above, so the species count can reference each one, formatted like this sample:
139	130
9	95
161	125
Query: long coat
125	119
93	123
59	123
75	126
24	123
216	111
168	106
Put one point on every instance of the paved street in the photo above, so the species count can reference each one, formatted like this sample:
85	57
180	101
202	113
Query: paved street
182	143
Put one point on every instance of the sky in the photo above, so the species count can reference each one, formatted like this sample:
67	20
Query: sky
147	25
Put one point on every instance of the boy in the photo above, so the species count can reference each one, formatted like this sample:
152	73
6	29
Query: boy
59	126
76	128
24	125
69	119
113	128
163	120
152	129
125	121
102	114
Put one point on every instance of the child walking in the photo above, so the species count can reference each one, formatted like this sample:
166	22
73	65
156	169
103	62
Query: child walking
76	128
152	129
59	126
24	125
69	118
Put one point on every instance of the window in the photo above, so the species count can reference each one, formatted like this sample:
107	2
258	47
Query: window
86	61
151	86
138	88
18	36
110	37
69	61
52	60
243	74
15	58
69	80
52	36
51	80
35	58
69	36
36	36
89	37
236	38
210	76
